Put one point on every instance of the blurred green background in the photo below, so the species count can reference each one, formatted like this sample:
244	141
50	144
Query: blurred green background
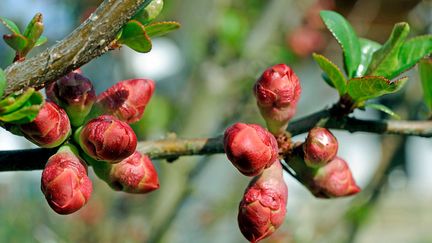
204	74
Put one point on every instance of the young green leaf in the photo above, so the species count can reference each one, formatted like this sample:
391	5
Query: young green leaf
42	40
368	47
385	60
369	87
333	73
383	108
344	33
27	112
10	25
3	82
149	12
18	100
425	70
161	28
37	19
16	41
135	36
412	51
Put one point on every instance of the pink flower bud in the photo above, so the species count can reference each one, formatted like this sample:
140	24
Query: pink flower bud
127	99
50	128
277	92
250	148
135	174
75	93
335	180
320	147
65	183
263	207
107	138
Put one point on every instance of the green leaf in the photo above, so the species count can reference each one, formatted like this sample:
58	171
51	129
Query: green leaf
37	19
135	36
385	60
16	41
412	51
384	109
3	82
425	70
27	112
10	25
368	48
42	40
369	87
149	12
161	28
344	33
327	80
14	101
333	73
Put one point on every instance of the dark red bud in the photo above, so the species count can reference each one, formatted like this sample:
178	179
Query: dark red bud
277	92
107	138
65	183
250	148
320	147
50	128
127	99
263	207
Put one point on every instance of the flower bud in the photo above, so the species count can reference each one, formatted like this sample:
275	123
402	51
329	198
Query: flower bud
335	180
320	147
250	148
65	183
107	138
74	93
277	92
263	207
135	174
50	128
127	99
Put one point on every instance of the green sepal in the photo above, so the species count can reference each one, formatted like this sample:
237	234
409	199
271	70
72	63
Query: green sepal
344	33
333	73
369	87
134	35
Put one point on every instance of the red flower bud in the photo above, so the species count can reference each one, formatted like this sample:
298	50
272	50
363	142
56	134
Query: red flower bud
65	183
335	180
107	138
127	99
320	147
277	92
50	128
135	174
75	93
250	148
263	207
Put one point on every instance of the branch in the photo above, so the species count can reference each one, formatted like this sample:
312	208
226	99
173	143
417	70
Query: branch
88	41
171	149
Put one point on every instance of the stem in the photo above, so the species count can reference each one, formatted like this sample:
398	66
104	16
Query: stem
90	40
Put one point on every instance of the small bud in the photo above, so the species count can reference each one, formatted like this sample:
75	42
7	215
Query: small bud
277	92
250	148
127	99
107	138
320	147
263	207
135	174
50	128
149	12
65	183
335	180
74	93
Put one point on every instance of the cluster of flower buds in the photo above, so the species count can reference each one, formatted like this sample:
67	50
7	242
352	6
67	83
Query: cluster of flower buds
331	175
277	92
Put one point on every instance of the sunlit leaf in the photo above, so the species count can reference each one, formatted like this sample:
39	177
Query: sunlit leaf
10	25
384	109
369	87
135	36
412	51
16	41
161	28
332	72
385	60
368	47
347	38
425	70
